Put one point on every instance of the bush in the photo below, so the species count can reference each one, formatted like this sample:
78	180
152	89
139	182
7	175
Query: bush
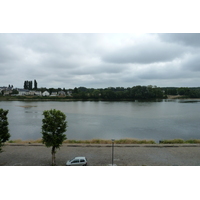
174	141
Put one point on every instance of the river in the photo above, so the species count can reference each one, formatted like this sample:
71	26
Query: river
156	120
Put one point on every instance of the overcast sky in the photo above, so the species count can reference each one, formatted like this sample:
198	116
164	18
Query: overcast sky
100	60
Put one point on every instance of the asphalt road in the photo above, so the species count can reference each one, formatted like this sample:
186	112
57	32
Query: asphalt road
101	155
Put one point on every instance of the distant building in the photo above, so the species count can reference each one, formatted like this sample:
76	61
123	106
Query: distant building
31	93
53	94
2	89
69	93
23	92
6	90
38	93
35	93
45	93
61	93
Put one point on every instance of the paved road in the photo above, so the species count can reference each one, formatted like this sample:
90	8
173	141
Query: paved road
100	155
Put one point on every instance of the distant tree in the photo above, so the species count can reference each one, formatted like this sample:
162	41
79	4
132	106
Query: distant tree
30	85
53	128
75	90
24	84
27	85
96	93
35	84
15	91
4	132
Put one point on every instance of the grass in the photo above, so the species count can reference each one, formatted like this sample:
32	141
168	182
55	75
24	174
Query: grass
121	141
180	141
93	141
25	141
134	141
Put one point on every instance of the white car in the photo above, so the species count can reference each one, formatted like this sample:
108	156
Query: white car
77	161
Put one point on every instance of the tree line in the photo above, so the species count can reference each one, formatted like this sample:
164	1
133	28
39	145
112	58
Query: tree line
192	92
120	93
135	92
29	85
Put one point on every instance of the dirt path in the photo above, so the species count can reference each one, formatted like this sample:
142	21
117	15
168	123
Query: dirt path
100	155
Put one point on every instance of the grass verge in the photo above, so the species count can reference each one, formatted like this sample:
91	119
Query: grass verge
121	141
180	141
93	141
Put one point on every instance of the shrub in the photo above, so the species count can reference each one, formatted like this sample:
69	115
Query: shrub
174	141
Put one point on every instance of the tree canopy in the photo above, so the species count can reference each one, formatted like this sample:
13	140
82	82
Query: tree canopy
53	128
4	131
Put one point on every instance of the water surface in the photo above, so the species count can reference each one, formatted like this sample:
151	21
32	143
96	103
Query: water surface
167	119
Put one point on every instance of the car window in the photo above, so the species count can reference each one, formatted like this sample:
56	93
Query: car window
75	161
82	160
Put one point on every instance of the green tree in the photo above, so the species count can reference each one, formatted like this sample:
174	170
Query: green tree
25	84
53	128
4	132
35	84
30	85
15	91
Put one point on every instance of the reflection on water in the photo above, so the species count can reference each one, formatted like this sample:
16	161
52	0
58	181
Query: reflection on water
166	119
185	101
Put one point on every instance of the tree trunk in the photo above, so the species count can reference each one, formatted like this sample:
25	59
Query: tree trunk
53	152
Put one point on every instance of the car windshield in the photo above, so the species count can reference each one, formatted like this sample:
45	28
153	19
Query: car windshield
75	159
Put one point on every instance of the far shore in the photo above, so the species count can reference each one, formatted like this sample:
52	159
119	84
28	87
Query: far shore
179	97
32	98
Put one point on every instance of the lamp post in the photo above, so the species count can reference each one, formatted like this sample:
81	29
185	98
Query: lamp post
112	150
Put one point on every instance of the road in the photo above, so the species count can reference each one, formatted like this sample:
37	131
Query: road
101	155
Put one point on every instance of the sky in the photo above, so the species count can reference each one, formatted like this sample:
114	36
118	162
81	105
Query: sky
100	60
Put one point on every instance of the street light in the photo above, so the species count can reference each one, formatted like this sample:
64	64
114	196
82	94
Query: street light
112	150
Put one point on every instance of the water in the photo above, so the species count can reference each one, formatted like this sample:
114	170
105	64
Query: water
167	119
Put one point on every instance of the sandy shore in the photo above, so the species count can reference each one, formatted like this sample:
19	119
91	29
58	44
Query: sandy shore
100	155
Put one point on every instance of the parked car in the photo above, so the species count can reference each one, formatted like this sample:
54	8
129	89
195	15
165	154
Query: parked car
77	161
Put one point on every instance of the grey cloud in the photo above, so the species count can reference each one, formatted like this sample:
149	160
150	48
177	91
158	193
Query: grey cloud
145	53
192	63
103	68
189	39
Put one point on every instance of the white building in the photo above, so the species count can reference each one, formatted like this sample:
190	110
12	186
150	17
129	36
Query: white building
61	93
23	92
69	92
45	93
38	93
53	94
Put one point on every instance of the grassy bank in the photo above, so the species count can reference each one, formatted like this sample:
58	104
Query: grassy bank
121	141
180	141
94	141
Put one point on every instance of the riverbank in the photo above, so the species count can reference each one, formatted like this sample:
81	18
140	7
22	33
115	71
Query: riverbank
34	98
100	155
170	97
